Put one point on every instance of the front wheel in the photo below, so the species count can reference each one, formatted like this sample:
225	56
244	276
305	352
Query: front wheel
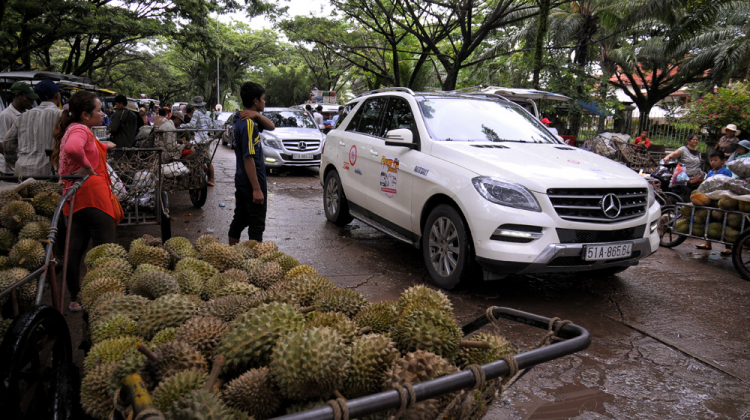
446	247
198	196
334	201
741	255
668	238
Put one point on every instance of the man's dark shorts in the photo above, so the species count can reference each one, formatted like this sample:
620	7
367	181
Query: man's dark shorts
248	215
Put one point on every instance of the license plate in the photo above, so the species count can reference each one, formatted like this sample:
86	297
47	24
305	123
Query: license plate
302	156
607	251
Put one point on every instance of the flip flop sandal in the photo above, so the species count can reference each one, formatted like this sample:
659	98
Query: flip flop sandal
74	307
703	246
726	252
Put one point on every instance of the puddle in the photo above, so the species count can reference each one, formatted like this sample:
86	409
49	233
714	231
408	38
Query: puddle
571	401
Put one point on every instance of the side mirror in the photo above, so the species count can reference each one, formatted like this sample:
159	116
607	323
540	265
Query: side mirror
401	137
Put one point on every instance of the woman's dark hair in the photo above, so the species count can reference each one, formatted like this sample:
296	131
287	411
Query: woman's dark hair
162	112
249	92
690	137
79	103
121	99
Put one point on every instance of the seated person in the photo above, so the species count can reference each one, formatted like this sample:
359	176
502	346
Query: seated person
174	146
643	140
717	160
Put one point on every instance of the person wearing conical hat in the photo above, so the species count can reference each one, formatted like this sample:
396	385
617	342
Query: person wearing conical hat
729	141
201	120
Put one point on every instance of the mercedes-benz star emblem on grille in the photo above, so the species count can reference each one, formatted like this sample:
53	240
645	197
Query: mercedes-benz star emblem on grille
302	145
611	206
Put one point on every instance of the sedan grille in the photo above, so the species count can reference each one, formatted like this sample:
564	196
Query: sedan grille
294	145
586	205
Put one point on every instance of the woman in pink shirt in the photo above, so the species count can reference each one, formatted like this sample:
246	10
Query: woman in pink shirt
76	151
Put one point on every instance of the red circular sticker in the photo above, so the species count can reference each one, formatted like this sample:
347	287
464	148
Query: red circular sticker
574	162
353	155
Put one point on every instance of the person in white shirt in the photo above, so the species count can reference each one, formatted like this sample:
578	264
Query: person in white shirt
318	116
23	101
32	132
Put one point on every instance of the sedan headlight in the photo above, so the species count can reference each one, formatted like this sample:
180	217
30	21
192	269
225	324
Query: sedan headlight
272	142
651	196
506	193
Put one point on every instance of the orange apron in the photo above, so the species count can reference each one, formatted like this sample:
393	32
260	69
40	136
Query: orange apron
96	191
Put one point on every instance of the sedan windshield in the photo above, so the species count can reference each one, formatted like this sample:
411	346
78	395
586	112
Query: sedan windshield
290	119
468	119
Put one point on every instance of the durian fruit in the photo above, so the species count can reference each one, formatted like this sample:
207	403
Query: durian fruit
246	252
378	316
149	255
94	289
227	308
170	358
129	365
222	256
145	268
166	311
686	212
5	262
743	206
214	284
336	321
428	329
499	347
45	203
264	247
307	286
131	306
7	239
727	203
27	253
190	282
714	230
111	350
731	234
154	284
418	297
25	294
347	301
250	244
173	387
109	270
682	226
263	275
37	231
250	338
309	364
204	240
734	220
413	368
95	399
699	229
271	256
113	327
236	275
35	188
146	240
4	327
700	216
253	392
369	357
281	291
717	216
204	332
203	268
104	261
181	247
287	262
104	251
164	336
16	214
200	404
8	196
300	270
236	288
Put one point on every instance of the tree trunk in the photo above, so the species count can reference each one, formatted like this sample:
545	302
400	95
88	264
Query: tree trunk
644	108
541	33
451	78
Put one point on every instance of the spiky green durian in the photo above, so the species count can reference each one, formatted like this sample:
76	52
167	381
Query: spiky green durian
204	240
309	364
190	282
204	332
108	271
95	399
146	240
7	239
203	268
369	357
265	247
26	294
499	347
173	387
129	365
251	337
16	214
300	270
336	321
307	286
170	358
166	311
235	288
154	284
36	187
149	255
246	252
734	220
27	253
181	246
263	275
4	327
347	301
378	316
728	203
428	329
45	203
419	297
94	289
227	308
104	251
271	256
287	262
222	256
118	262
253	392
164	336
131	306
37	231
8	196
113	327
5	262
200	404
214	284
111	350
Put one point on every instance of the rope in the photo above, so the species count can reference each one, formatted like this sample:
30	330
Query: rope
553	332
407	401
479	376
340	410
495	321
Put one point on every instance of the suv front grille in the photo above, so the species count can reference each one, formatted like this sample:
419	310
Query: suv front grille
294	145
573	236
585	205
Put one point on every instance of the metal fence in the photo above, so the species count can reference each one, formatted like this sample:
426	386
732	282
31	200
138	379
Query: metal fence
669	135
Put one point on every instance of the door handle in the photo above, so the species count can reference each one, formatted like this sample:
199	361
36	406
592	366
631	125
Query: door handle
373	152
341	143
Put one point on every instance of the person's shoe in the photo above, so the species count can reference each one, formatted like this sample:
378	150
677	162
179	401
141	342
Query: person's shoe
703	246
74	307
727	252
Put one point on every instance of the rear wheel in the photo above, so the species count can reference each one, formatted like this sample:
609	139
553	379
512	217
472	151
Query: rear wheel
741	255
198	196
668	238
446	247
334	201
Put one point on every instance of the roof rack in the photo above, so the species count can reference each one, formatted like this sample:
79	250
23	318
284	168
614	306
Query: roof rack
391	89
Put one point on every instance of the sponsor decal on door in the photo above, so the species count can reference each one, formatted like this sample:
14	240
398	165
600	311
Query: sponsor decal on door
389	176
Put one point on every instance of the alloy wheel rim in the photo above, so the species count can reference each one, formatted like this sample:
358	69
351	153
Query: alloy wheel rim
332	198
444	246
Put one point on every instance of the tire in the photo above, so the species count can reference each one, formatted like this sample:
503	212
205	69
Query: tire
165	221
65	391
334	201
741	255
667	237
198	196
447	248
26	370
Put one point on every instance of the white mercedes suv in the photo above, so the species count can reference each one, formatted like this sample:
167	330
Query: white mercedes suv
472	179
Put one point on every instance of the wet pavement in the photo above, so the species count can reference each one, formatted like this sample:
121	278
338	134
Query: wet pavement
669	336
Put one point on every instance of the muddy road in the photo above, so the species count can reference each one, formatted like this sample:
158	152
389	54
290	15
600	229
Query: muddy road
669	336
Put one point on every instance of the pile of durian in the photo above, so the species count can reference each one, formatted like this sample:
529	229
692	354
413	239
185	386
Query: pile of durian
290	338
715	212
25	214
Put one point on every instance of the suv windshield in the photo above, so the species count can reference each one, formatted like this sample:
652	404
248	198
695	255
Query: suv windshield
465	119
290	119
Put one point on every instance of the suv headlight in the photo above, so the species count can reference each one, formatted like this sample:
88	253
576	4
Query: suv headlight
272	142
506	193
651	196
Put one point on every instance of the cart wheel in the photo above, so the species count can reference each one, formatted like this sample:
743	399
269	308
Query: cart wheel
65	391
741	255
35	347
667	237
198	196
166	222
